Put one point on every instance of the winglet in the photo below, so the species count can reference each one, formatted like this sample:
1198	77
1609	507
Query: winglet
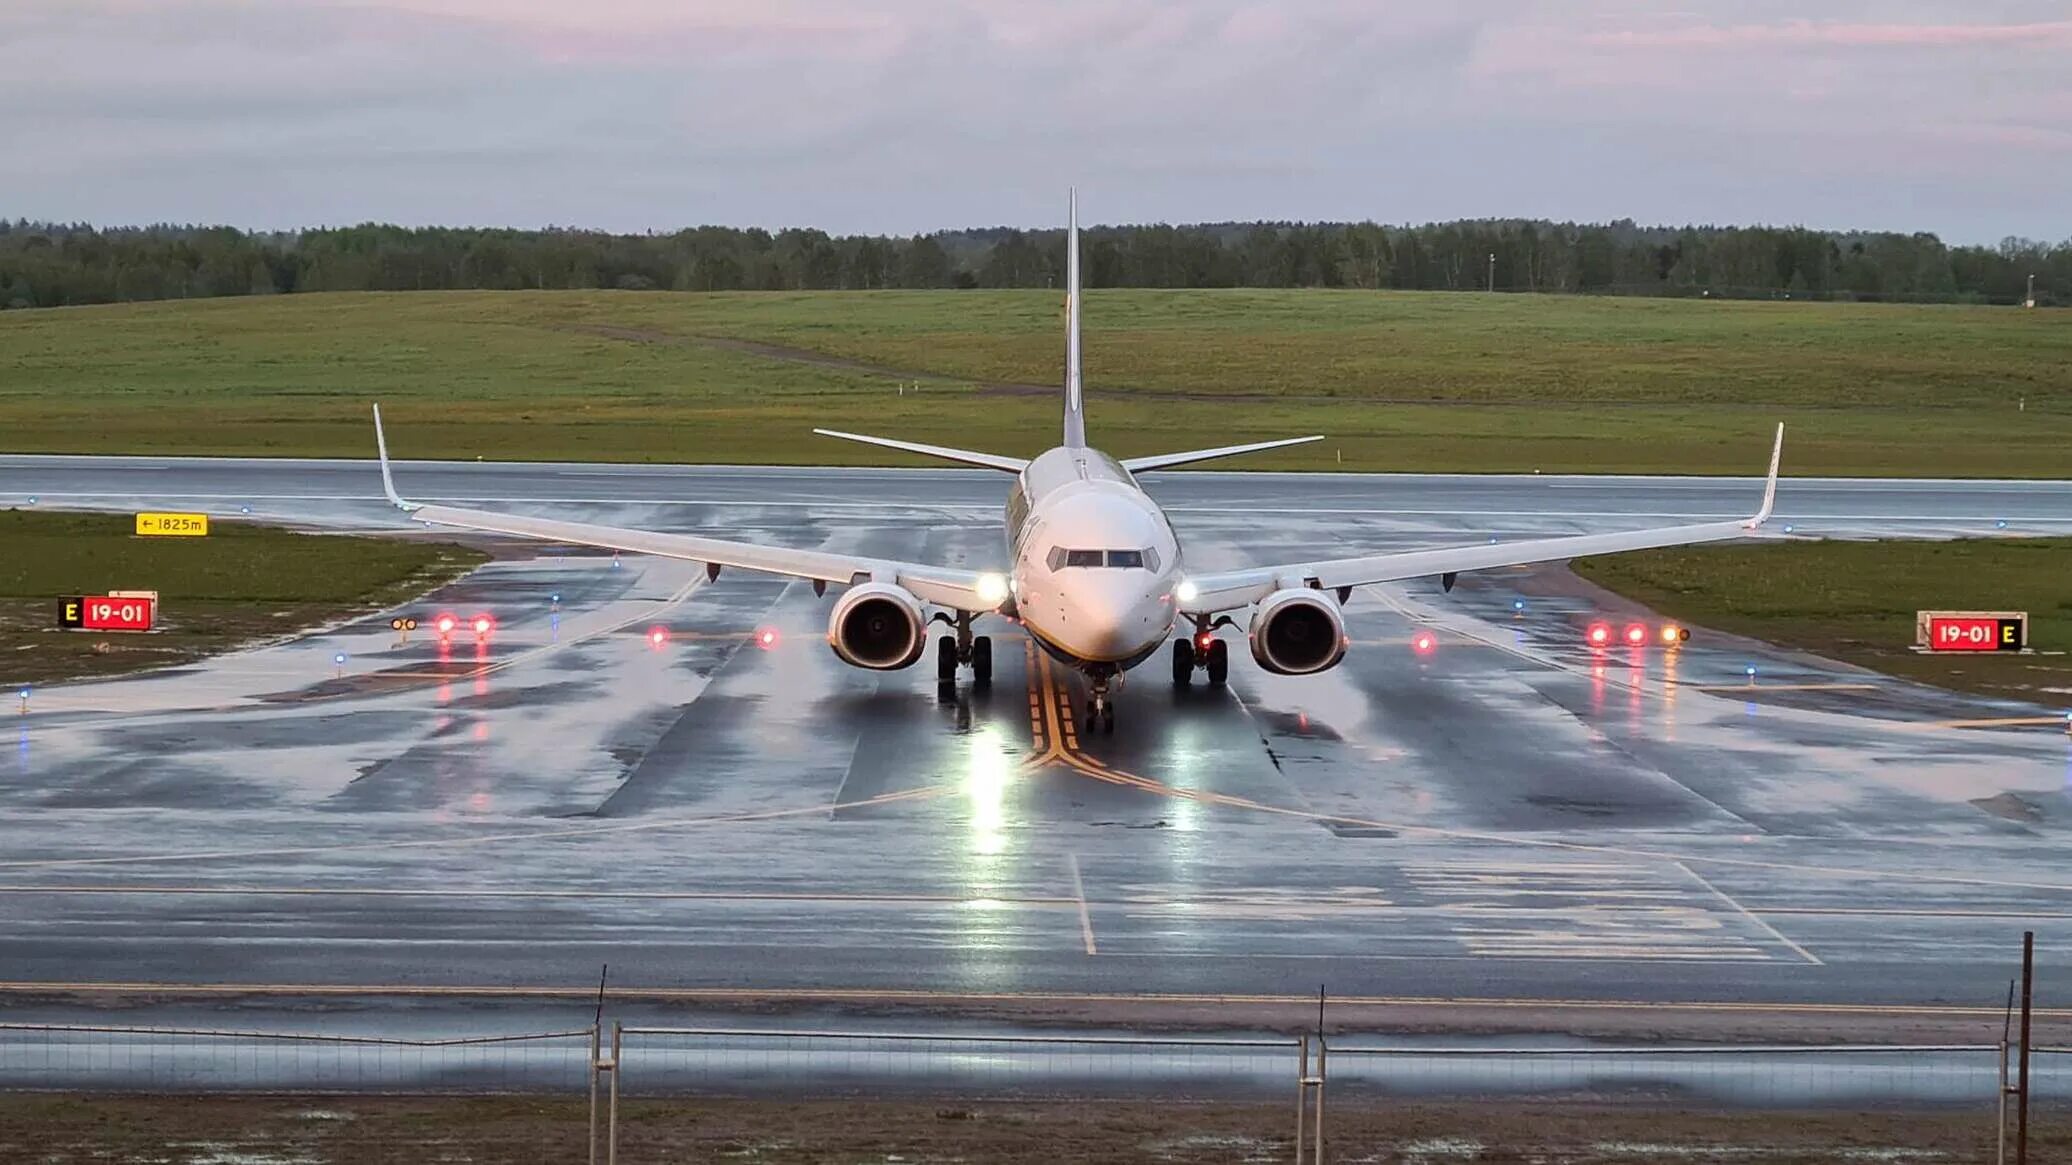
1770	485
388	483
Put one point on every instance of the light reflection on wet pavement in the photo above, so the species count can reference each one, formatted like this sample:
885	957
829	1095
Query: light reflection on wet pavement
1512	815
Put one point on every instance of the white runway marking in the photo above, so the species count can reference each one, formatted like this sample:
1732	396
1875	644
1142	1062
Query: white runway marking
1751	915
1086	922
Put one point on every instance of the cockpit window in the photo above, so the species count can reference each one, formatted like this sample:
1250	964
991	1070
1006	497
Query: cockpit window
1115	559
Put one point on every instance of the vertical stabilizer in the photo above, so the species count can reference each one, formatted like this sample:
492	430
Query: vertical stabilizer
1075	416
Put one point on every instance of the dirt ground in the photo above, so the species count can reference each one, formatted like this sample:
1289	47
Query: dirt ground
332	1130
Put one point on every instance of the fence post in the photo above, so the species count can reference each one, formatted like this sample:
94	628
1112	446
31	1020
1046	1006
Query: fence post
595	1067
1323	1050
611	1122
1301	1093
2021	1119
2000	1136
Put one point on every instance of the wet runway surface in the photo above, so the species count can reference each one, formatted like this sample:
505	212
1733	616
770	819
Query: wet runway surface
1511	816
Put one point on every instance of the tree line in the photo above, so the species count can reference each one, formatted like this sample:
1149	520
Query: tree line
55	264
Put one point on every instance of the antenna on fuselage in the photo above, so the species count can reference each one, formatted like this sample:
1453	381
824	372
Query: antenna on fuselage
1075	415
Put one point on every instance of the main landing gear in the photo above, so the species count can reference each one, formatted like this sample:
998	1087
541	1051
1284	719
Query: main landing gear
1212	656
954	651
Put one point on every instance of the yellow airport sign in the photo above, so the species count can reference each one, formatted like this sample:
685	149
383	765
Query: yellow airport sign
173	525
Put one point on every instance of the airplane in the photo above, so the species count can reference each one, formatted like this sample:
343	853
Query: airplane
1095	574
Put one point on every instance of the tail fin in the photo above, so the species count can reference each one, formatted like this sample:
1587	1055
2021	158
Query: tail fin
1075	416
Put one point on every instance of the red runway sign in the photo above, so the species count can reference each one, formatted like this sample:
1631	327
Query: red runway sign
1973	631
107	613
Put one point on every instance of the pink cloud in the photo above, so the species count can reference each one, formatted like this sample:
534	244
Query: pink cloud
1808	33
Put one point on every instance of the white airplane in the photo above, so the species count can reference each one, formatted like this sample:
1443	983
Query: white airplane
1094	571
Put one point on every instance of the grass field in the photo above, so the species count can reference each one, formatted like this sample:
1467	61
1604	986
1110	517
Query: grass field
1399	381
238	584
534	1130
1855	601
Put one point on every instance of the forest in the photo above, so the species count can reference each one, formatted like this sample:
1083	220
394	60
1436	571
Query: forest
54	264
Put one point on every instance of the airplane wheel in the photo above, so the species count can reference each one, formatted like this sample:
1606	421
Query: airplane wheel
946	660
1219	663
1183	662
982	661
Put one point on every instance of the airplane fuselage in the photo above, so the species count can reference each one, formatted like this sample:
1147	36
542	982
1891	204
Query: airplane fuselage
1095	562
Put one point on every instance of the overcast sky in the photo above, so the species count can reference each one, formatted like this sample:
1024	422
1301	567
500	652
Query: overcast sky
899	115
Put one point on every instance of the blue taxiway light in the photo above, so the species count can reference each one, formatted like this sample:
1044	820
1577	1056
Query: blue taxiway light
339	658
1518	604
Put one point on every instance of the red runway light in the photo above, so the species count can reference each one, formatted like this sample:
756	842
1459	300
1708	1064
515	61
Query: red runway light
484	624
1599	634
766	638
446	624
1636	635
657	636
1424	643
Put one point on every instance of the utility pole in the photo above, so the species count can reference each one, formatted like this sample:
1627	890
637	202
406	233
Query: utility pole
1492	273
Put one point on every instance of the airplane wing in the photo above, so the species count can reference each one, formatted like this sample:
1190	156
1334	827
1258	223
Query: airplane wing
964	590
1226	590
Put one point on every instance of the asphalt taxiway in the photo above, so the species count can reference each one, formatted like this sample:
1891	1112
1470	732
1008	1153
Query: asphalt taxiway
1513	816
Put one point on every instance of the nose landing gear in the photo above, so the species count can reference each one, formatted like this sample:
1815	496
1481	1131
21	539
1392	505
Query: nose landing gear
1100	711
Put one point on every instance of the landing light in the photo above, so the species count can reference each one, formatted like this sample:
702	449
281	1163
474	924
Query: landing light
1186	592
992	588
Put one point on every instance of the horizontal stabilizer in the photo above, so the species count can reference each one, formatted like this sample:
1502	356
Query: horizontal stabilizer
988	460
1168	460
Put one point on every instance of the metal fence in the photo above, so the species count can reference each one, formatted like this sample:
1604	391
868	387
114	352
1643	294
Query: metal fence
605	1065
86	1058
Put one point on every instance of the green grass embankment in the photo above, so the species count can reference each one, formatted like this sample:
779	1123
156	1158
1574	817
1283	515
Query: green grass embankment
1398	381
239	584
1855	601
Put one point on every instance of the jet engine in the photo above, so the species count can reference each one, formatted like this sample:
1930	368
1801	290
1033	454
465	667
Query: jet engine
1297	632
878	626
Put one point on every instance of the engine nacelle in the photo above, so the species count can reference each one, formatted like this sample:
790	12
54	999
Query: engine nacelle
1297	633
878	626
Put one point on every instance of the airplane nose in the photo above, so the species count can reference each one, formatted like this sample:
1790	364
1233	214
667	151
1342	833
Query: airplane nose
1119	618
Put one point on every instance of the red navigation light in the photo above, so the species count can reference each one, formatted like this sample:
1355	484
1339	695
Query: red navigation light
1599	634
446	624
484	624
657	636
1636	635
1424	643
766	638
